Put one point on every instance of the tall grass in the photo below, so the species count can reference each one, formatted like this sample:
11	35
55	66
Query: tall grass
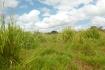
67	34
9	46
68	50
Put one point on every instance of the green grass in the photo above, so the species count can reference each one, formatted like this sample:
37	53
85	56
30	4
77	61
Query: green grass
68	50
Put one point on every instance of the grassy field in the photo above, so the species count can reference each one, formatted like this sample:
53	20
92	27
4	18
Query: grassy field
67	50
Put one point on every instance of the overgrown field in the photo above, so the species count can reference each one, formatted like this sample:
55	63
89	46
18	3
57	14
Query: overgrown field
67	50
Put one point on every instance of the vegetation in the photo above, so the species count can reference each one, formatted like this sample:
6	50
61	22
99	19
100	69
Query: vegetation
68	50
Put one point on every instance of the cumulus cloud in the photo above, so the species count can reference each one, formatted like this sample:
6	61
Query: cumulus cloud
65	4
98	21
70	16
61	19
28	20
94	10
66	15
45	12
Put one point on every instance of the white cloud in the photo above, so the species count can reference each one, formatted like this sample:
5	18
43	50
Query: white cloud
98	21
45	12
60	19
28	20
89	9
69	16
94	10
65	4
101	7
66	15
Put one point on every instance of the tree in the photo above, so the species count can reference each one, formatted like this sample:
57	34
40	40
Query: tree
54	32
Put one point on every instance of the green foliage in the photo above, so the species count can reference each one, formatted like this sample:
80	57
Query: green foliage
12	40
68	50
9	46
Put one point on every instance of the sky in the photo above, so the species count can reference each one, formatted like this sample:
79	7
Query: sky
49	15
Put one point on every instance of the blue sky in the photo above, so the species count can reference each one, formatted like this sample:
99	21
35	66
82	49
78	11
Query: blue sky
48	15
25	6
